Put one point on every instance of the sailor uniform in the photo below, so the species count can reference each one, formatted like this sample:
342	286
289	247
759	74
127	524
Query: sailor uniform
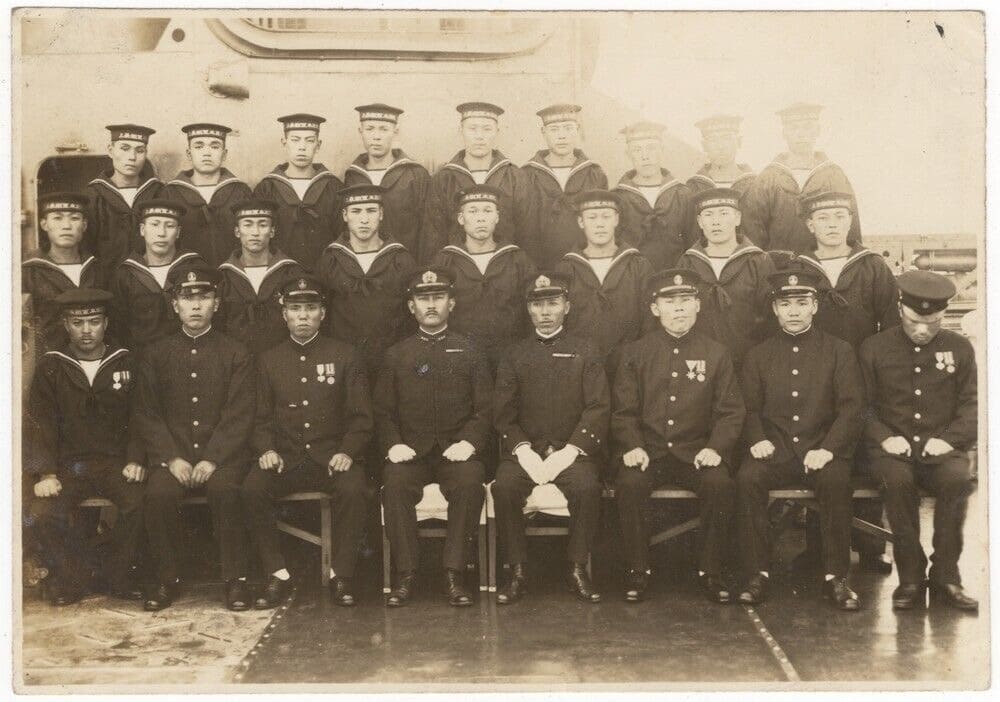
307	423
45	280
433	391
659	231
207	226
551	392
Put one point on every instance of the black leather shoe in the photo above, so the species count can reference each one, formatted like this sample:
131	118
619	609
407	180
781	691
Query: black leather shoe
580	585
237	596
458	596
715	589
400	594
755	590
65	593
953	596
158	597
909	595
841	594
636	582
516	588
273	594
342	592
875	563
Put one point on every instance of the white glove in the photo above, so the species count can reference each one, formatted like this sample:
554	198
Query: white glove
401	453
459	451
560	460
532	463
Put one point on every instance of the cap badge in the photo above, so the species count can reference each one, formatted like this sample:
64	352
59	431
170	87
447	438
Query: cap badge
678	280
793	280
192	276
429	277
302	284
543	282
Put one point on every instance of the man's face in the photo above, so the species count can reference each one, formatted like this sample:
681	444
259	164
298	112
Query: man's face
801	135
721	147
479	134
677	313
86	332
160	234
562	137
548	314
646	155
920	328
795	314
254	233
479	219
431	309
127	157
196	309
377	136
598	224
830	226
363	220
303	318
207	154
718	224
301	146
65	229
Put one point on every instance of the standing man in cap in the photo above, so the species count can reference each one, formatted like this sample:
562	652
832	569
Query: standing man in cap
771	204
805	399
490	278
406	185
142	311
734	287
305	192
551	410
479	163
59	264
78	443
116	195
252	279
608	281
209	191
432	406
366	276
654	203
720	140
309	435
920	424
557	175
195	414
677	413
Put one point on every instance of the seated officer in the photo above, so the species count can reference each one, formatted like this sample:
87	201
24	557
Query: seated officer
921	421
432	405
804	398
309	436
194	413
77	444
551	407
676	415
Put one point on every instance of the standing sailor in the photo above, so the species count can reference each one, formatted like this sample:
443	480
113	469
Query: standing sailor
720	140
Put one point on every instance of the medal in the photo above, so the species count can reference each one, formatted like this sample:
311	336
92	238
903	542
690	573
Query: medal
692	366
949	359
940	358
320	372
701	371
117	376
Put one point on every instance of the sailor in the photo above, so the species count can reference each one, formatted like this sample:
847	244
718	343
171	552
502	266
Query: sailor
720	140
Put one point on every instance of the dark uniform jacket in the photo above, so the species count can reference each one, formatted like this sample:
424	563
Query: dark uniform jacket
552	392
70	423
250	317
433	392
920	392
112	225
555	215
734	306
864	301
660	403
614	312
208	228
803	392
406	187
304	227
367	310
490	307
196	399
771	217
441	214
142	311
312	402
702	181
44	280
660	233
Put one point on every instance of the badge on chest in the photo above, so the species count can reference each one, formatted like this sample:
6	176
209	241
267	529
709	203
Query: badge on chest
326	373
121	379
696	369
945	361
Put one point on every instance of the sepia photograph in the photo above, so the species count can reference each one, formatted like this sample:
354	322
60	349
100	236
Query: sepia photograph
486	350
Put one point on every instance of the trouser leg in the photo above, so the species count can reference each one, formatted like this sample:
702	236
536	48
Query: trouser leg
403	486
580	484
949	482
351	493
510	494
223	493
895	479
832	486
632	489
258	494
128	531
164	529
462	486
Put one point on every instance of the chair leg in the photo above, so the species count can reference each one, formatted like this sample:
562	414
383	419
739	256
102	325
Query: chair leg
484	579
491	536
386	563
326	540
